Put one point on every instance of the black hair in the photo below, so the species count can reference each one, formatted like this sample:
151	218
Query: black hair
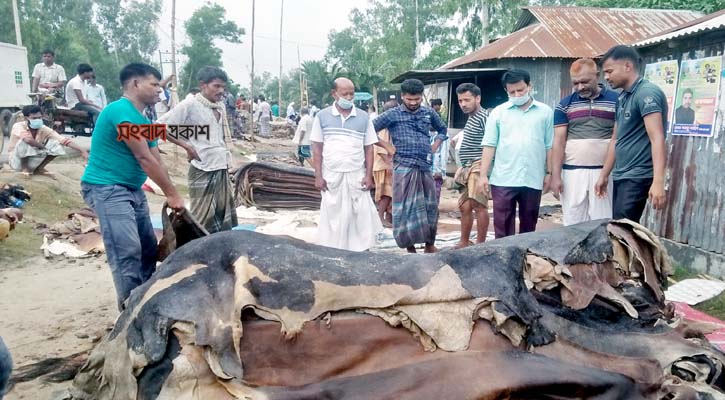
261	97
622	52
412	86
135	70
31	109
48	51
686	91
83	68
436	102
468	87
515	76
208	73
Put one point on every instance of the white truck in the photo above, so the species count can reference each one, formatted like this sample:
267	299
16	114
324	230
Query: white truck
14	86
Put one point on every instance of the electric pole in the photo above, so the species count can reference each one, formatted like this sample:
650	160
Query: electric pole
251	84
16	17
279	96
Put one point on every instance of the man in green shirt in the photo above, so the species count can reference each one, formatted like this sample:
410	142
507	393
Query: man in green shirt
637	150
112	181
520	133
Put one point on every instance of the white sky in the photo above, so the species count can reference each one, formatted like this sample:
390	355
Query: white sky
306	23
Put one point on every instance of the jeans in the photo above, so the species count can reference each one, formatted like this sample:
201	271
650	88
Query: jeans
6	366
92	111
127	233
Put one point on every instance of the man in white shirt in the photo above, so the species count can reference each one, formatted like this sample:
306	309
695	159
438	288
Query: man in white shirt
95	92
302	136
74	93
48	77
210	190
342	142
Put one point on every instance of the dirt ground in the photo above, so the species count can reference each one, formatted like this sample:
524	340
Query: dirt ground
56	307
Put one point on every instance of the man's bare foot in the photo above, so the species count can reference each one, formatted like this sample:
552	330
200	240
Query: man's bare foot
462	245
411	250
480	240
44	172
430	249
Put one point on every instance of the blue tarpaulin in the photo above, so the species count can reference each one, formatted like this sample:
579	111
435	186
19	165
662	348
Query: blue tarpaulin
362	96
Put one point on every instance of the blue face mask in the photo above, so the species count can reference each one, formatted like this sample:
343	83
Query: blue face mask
35	123
345	104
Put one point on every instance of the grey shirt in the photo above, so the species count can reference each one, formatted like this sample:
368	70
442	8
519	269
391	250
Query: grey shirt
633	150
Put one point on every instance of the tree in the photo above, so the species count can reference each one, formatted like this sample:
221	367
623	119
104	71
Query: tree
207	24
705	6
484	19
320	77
81	31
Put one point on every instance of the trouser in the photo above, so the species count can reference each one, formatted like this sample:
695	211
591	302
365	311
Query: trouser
127	233
6	366
630	198
92	111
505	200
579	201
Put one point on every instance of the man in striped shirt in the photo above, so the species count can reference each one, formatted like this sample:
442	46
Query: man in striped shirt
584	122
471	199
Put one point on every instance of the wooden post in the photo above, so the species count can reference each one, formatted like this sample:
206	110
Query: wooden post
279	81
173	63
16	17
251	84
302	88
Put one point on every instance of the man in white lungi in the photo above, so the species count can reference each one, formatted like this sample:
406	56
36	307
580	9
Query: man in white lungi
342	152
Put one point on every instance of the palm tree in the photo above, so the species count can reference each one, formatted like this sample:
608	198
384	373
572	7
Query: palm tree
319	78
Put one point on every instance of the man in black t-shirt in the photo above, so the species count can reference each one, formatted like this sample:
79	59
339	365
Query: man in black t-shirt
637	150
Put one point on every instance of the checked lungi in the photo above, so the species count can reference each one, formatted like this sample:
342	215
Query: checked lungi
415	206
212	199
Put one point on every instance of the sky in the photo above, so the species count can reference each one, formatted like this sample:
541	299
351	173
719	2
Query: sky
306	24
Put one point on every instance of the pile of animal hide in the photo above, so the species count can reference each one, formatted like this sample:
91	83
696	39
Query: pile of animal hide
78	235
280	128
241	315
276	186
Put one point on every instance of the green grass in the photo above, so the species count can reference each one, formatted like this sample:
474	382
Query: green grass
23	243
714	306
51	202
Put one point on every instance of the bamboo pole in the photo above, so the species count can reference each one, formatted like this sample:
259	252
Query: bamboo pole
251	84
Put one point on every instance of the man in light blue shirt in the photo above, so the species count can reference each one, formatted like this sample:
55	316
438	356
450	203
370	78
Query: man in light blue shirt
520	134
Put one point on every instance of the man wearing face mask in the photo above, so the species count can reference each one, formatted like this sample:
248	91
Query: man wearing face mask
33	145
583	126
111	184
415	203
520	134
210	190
342	146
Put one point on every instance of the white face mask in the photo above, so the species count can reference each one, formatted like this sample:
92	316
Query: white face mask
520	100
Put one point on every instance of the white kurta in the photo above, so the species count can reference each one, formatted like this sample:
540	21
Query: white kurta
348	217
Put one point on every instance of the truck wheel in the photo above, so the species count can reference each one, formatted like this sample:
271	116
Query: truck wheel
5	121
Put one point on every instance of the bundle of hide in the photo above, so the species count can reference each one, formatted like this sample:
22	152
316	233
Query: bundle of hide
241	315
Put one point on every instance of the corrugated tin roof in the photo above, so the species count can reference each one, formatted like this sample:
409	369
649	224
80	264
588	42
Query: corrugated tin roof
573	32
707	23
428	76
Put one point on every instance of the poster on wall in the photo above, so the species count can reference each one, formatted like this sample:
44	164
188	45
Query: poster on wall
697	95
665	74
